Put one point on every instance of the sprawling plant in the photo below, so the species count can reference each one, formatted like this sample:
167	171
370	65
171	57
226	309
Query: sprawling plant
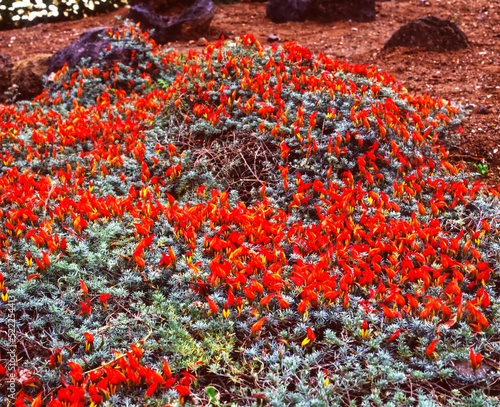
243	226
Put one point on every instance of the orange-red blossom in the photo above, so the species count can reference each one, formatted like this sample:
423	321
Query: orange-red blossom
475	359
258	325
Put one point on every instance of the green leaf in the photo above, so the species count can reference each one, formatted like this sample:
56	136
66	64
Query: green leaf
212	394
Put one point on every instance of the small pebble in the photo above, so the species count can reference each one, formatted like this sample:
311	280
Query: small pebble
483	110
201	42
273	38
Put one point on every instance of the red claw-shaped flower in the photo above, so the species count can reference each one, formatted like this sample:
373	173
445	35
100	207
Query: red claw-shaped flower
258	326
475	359
89	342
431	348
309	339
364	329
394	335
212	305
103	299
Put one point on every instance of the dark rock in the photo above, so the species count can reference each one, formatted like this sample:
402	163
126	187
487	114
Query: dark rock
162	6
28	75
91	44
196	19
5	74
281	11
483	110
156	6
148	19
430	33
193	21
342	10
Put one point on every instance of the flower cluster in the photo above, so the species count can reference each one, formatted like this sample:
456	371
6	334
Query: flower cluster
362	227
97	385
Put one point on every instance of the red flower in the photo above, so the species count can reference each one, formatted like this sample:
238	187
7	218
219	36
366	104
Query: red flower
166	369
258	325
89	344
37	402
94	395
103	299
55	359
84	289
225	311
138	352
29	259
283	303
475	359
76	373
364	329
265	300
212	305
302	308
63	245
86	308
388	312
309	339
431	348
394	335
183	393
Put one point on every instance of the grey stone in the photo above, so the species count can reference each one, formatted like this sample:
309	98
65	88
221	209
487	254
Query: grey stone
273	38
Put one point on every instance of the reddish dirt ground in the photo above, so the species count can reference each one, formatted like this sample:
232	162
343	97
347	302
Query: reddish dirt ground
470	77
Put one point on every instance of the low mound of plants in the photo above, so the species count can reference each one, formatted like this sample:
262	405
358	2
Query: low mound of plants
244	226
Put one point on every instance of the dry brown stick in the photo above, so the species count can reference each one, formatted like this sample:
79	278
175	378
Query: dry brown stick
255	175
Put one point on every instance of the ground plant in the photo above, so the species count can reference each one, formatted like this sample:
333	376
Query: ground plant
242	226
